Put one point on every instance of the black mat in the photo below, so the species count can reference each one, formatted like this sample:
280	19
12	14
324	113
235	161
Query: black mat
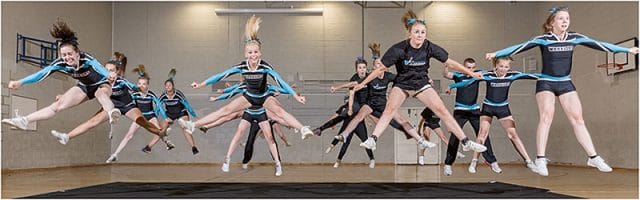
304	190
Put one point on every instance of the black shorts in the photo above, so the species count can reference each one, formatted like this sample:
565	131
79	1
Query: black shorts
557	87
431	120
467	113
90	90
174	116
254	118
377	108
256	101
495	111
414	91
126	108
149	116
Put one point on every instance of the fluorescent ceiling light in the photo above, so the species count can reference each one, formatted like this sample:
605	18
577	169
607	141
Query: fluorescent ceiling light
299	11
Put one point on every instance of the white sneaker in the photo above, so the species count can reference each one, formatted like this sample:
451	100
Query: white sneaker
460	155
369	144
225	165
372	164
421	160
337	164
245	166
278	169
447	170
541	166
112	158
472	166
473	146
532	166
339	137
188	126
306	132
599	163
425	144
329	148
18	121
495	167
63	138
114	115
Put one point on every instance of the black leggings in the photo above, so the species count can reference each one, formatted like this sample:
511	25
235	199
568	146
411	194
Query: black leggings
248	148
360	131
473	117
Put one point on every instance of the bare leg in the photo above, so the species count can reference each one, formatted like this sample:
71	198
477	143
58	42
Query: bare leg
272	104
268	136
89	124
573	109
431	99
225	119
364	111
72	97
485	125
395	100
237	104
187	135
242	128
103	95
509	125
546	107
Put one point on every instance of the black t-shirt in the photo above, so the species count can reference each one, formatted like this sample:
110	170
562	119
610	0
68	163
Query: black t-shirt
468	94
378	89
412	64
360	95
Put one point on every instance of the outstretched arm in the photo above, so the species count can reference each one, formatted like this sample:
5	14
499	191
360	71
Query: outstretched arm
458	67
345	85
375	73
604	46
215	78
518	48
36	77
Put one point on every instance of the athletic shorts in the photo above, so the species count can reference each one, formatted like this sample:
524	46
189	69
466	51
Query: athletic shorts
557	87
175	116
254	118
90	90
495	111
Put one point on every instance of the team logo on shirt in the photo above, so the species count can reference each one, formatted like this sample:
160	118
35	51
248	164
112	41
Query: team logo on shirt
80	75
378	87
412	62
505	84
560	49
253	76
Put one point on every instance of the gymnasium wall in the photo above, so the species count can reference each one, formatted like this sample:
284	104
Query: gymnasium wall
314	51
305	49
38	149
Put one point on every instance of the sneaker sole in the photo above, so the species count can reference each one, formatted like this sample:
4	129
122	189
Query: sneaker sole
13	125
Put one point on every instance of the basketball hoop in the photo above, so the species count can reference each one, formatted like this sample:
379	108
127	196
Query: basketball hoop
616	66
